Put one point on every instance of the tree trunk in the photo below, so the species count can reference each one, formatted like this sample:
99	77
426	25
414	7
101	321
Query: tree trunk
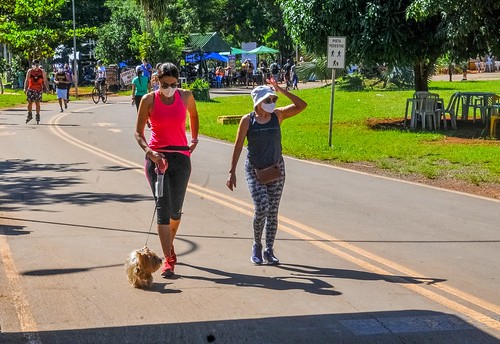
421	71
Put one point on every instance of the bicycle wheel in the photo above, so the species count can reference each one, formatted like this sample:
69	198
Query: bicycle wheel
104	95
95	95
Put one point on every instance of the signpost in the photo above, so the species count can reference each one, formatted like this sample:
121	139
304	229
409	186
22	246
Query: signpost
336	59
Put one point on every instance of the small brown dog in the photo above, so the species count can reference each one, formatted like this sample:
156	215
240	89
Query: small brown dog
140	266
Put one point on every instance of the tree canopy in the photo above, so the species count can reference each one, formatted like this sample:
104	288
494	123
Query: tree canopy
395	32
35	28
32	28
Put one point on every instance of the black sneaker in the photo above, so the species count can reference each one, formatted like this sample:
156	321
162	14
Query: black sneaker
256	257
29	117
270	258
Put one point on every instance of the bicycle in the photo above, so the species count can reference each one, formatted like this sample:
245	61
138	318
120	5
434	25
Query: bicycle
99	91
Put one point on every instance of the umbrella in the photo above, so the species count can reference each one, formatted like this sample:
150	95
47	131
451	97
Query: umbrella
263	50
234	51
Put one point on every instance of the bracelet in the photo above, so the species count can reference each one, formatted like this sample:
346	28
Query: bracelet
194	141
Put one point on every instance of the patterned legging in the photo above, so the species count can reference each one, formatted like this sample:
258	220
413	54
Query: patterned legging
266	200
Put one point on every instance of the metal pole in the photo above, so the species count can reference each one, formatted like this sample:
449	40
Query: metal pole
331	108
75	71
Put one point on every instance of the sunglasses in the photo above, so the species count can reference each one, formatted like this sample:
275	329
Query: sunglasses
270	100
173	85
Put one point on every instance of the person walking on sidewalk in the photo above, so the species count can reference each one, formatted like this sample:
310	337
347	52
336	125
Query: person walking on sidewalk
61	80
140	86
262	130
34	85
68	71
168	154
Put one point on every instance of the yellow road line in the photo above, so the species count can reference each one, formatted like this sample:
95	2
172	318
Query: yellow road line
388	263
23	310
421	290
247	209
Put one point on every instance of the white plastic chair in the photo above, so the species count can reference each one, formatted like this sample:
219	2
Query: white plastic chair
483	104
452	109
428	108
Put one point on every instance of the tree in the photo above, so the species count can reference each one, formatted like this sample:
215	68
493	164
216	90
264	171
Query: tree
32	28
468	32
113	39
131	35
379	32
237	20
255	20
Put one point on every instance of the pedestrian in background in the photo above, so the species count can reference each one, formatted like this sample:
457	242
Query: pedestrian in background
155	82
168	154
147	69
262	130
34	85
69	72
140	86
61	81
295	77
20	77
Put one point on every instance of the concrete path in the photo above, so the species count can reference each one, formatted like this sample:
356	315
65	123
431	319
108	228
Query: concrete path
365	259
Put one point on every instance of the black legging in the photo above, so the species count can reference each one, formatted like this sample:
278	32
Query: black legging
137	100
174	186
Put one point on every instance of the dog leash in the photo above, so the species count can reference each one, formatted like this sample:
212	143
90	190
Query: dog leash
151	225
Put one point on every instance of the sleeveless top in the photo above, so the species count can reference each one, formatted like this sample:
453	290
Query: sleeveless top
35	81
168	123
264	142
61	76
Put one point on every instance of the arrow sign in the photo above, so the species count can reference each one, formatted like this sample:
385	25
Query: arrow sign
336	52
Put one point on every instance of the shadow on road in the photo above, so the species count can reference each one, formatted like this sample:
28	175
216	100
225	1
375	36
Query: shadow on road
24	186
308	284
388	327
318	272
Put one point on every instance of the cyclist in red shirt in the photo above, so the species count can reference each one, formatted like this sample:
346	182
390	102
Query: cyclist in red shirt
35	84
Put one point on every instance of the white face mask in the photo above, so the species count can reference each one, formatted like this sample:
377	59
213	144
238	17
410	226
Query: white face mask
168	92
268	107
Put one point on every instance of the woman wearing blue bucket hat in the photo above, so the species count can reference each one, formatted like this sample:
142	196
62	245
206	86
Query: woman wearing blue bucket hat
264	165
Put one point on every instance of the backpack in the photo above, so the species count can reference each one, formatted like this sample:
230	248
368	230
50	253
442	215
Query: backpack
274	68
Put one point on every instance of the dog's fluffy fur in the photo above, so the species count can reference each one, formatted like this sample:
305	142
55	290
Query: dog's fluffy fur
140	266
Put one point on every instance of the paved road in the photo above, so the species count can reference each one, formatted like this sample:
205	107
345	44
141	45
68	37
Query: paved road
365	259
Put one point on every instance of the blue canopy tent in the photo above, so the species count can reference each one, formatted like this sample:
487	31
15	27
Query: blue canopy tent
197	57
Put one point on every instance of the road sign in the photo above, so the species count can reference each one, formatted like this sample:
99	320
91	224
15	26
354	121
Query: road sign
336	52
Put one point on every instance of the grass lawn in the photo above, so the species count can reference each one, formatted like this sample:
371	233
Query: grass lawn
15	98
367	128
